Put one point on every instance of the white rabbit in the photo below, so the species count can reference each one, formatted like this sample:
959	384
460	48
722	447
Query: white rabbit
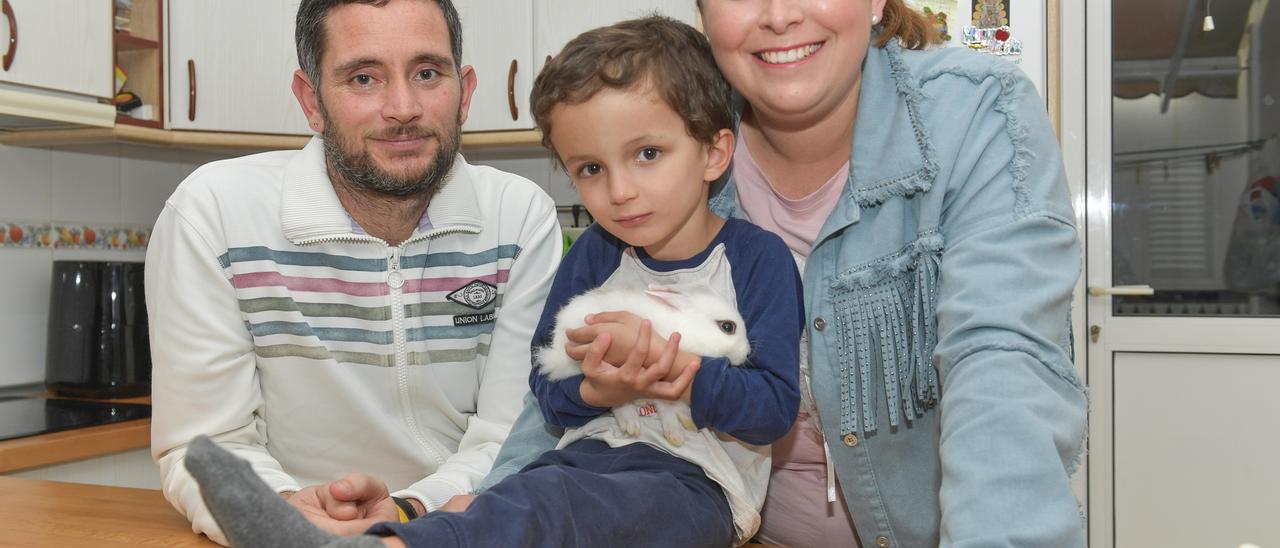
709	325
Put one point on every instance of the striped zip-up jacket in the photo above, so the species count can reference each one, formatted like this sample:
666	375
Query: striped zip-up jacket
312	349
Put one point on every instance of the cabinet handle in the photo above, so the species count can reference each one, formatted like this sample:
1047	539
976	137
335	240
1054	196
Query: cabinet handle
13	34
191	90
511	91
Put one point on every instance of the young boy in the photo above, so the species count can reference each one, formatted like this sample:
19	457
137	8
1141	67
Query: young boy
640	117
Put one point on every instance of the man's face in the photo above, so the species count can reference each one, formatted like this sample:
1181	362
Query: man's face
390	102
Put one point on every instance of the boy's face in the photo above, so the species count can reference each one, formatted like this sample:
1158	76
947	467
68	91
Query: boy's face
639	172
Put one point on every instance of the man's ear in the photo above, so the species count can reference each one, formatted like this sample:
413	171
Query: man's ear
468	80
719	155
308	100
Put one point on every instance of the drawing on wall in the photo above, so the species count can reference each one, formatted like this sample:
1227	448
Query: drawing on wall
991	13
940	12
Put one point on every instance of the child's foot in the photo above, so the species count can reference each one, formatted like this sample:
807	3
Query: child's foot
249	512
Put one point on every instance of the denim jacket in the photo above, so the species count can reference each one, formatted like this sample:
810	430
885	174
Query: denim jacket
938	302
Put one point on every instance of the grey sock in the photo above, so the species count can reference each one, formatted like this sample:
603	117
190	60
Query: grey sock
250	513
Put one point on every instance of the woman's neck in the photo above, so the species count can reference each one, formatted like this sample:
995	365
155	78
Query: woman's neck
799	155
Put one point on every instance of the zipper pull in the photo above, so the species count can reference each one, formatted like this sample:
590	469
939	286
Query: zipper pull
394	278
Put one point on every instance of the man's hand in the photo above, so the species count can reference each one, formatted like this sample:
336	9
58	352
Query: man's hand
606	385
348	506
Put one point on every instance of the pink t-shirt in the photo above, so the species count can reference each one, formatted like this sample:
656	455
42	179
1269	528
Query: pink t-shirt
796	510
797	221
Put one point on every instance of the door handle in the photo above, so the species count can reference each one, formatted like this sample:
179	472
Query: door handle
511	90
12	51
191	90
1122	291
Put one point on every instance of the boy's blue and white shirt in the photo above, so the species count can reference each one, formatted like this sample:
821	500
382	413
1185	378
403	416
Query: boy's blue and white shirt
741	409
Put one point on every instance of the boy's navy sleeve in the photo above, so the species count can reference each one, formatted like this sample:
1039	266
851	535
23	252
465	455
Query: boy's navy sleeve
757	401
584	268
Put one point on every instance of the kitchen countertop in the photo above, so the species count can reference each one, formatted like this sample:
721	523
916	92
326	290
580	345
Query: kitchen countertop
81	443
40	513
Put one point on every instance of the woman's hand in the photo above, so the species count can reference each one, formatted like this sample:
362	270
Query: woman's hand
607	385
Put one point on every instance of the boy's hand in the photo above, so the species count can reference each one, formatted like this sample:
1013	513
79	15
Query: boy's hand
624	332
607	385
623	328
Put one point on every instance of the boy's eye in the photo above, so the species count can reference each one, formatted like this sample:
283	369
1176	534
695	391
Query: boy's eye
649	154
588	170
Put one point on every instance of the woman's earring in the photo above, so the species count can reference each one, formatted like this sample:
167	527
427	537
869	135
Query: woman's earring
875	19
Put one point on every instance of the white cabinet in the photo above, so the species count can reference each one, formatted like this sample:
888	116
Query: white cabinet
125	469
231	63
555	22
1194	457
508	42
496	39
61	45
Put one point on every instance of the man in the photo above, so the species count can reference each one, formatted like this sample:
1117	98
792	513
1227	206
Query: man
365	303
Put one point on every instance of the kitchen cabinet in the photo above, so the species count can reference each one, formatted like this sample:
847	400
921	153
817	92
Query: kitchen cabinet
508	42
59	45
555	22
231	63
496	40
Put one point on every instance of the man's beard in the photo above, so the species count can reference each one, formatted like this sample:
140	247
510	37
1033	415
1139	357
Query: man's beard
357	168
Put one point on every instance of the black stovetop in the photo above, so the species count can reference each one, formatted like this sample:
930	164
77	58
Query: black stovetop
30	416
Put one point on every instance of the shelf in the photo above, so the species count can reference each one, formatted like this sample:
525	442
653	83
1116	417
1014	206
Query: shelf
125	132
129	42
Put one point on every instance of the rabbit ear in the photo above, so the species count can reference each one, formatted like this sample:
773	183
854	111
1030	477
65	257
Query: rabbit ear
668	296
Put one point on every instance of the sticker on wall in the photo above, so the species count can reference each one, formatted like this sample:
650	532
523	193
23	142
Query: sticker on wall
941	13
73	236
989	14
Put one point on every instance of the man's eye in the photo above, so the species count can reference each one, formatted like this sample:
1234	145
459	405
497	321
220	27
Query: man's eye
650	154
362	79
427	74
588	170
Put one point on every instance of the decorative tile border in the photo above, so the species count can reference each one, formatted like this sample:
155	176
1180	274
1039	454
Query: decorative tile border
73	236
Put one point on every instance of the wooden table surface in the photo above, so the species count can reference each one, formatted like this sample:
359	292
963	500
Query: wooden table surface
36	513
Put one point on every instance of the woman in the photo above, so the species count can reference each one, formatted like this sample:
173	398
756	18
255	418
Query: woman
923	194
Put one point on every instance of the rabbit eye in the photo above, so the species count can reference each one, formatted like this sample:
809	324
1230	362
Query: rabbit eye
728	327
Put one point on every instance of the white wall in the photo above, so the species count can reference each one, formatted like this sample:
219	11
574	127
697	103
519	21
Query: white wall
100	184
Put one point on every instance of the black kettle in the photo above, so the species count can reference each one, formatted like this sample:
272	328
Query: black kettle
98	345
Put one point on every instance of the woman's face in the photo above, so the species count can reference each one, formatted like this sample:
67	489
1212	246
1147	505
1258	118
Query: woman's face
791	59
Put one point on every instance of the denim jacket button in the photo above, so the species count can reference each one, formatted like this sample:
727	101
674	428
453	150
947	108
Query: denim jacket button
819	323
882	541
851	440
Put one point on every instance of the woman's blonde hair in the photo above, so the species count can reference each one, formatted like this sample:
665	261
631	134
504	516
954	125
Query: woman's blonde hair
909	26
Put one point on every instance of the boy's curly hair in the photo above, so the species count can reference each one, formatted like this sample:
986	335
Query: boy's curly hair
669	57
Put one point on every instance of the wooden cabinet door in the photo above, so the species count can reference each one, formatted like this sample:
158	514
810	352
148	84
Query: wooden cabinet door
231	63
555	22
62	45
497	37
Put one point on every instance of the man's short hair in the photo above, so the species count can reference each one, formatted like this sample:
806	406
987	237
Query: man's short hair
309	31
671	58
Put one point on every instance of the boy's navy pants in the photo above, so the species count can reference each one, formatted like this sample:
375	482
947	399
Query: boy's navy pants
586	495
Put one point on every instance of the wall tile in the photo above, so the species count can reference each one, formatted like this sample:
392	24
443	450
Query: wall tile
24	183
147	178
86	184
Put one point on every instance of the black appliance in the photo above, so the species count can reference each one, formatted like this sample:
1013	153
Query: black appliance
27	416
98	346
